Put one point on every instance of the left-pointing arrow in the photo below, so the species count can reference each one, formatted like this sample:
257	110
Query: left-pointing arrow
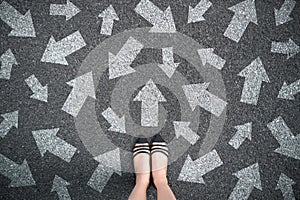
47	140
39	92
288	91
20	175
196	13
69	10
22	25
10	120
60	187
7	61
117	124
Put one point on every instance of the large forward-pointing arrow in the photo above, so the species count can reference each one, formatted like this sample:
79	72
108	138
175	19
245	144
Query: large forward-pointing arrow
56	52
20	175
150	96
60	186
283	14
162	20
255	74
197	94
207	56
168	66
244	13
288	91
285	185
289	48
117	124
243	132
22	25
10	120
39	92
108	15
289	144
249	178
7	61
182	129
83	86
47	140
192	171
69	10
196	13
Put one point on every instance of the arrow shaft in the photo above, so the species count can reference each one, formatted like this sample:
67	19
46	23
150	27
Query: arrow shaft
33	83
280	130
216	61
251	90
236	140
287	7
149	114
167	54
149	11
74	102
5	126
208	162
203	6
70	44
288	193
190	136
100	177
129	51
294	88
10	15
110	116
211	103
8	167
241	191
57	9
107	26
237	27
280	47
56	145
63	194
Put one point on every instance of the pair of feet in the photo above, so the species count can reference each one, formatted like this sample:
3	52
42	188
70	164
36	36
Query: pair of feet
149	158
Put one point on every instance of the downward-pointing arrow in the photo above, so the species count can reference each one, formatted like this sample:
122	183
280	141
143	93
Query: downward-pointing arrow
248	179
244	13
168	66
283	15
243	132
20	175
22	25
289	48
162	20
7	61
108	15
207	56
255	74
288	91
182	129
285	185
117	124
39	92
10	120
83	86
60	186
47	140
56	52
150	96
69	10
196	13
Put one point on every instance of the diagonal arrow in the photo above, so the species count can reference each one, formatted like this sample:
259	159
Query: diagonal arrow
69	10
108	15
22	25
39	92
283	14
289	144
108	164
119	65
83	86
197	94
192	171
196	13
47	140
244	13
255	74
117	124
7	61
10	120
207	56
150	96
56	52
243	132
20	175
288	91
285	185
182	129
289	48
162	21
249	178
168	66
60	187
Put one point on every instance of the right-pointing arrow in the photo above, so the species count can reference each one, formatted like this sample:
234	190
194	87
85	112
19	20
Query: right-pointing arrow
243	132
289	48
285	185
207	56
10	120
182	129
7	61
117	124
288	91
60	186
196	13
283	14
69	10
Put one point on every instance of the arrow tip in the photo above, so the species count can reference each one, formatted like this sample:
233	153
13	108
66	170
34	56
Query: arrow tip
284	92
51	54
109	13
251	175
12	118
41	94
71	10
25	27
188	170
245	130
58	183
203	53
166	24
111	159
284	181
40	136
256	70
150	92
24	176
85	84
246	9
193	15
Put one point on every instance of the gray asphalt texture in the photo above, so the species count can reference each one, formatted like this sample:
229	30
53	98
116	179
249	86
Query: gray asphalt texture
19	144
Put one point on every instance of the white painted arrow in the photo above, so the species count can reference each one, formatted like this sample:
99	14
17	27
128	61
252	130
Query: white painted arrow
108	15
10	120
162	20
39	92
69	10
196	13
7	61
283	14
288	91
289	144
56	52
22	25
83	86
249	178
108	164
20	175
207	56
244	13
60	187
285	185
47	140
197	94
117	124
192	171
119	65
182	129
254	75
150	96
243	132
289	48
168	66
